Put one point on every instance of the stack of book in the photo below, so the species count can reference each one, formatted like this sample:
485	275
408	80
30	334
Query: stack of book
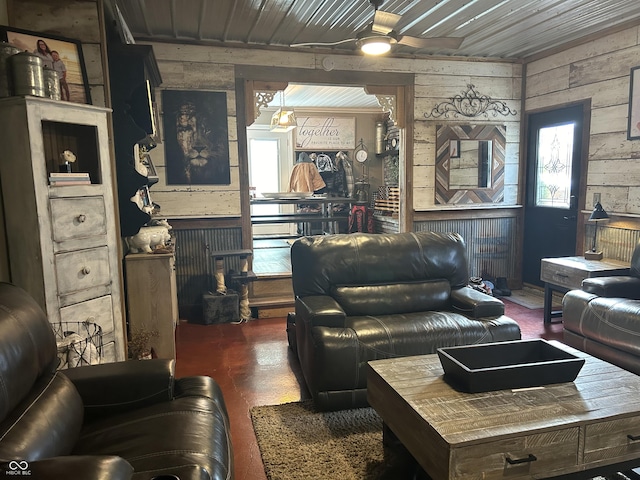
58	179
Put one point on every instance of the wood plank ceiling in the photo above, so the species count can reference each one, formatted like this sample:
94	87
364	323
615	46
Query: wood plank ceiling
510	29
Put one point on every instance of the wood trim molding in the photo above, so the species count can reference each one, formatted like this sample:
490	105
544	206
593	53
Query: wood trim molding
471	213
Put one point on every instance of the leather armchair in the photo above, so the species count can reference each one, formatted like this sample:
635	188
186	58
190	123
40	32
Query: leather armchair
363	297
113	421
603	317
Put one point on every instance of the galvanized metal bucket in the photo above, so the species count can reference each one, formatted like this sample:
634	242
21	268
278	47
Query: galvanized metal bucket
52	84
6	81
28	74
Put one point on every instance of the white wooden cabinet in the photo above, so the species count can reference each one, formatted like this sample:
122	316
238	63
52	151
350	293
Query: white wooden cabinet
152	299
62	240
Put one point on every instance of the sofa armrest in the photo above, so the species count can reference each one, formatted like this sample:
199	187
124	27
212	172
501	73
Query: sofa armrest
122	386
87	467
615	286
475	304
320	310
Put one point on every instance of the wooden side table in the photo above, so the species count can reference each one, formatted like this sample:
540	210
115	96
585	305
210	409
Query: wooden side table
566	273
152	298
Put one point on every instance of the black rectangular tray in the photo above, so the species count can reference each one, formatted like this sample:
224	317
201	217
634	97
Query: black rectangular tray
507	365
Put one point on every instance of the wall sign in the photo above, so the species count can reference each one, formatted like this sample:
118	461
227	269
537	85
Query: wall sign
328	133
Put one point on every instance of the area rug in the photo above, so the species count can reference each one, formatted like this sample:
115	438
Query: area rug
533	298
298	443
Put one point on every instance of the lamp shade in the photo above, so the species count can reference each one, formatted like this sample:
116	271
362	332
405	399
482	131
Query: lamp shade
598	213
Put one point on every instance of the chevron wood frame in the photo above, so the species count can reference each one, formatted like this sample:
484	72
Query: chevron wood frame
492	194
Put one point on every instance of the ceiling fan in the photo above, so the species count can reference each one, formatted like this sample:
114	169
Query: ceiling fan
378	37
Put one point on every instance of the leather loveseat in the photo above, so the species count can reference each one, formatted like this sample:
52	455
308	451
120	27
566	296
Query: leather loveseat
363	297
126	420
603	318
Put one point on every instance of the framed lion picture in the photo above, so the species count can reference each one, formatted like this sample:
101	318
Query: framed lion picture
196	137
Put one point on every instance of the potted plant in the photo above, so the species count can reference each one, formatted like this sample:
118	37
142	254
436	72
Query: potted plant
139	343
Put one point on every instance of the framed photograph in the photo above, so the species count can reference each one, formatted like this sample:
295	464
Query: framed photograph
454	148
196	140
58	53
633	131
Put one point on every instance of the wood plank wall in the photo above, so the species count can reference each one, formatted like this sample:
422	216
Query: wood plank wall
78	19
212	68
600	71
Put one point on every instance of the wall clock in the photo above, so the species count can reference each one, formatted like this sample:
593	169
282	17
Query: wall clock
361	153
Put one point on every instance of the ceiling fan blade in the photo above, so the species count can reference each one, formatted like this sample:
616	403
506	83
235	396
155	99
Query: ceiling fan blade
451	43
322	44
384	22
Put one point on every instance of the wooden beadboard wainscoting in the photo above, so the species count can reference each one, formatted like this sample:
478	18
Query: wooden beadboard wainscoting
491	237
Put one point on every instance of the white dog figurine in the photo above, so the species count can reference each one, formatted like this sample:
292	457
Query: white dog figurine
149	238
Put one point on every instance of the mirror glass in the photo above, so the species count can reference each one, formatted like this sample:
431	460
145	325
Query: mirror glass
470	163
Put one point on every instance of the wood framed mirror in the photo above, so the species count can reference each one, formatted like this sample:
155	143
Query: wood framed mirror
470	164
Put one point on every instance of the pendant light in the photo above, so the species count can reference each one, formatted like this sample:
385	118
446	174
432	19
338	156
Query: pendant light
284	120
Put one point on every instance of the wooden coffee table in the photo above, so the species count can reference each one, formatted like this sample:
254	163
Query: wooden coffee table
590	424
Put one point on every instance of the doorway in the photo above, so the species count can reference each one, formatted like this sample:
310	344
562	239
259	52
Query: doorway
269	169
555	149
250	79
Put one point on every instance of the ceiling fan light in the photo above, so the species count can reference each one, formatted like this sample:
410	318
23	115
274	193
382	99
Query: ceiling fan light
378	45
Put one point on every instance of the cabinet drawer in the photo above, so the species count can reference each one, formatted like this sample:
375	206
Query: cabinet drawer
77	217
610	440
82	270
553	451
561	275
98	311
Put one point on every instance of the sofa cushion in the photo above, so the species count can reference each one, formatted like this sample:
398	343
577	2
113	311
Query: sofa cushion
46	423
322	262
27	346
340	355
610	321
168	438
391	298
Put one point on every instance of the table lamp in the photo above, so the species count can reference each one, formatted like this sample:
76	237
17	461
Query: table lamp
597	214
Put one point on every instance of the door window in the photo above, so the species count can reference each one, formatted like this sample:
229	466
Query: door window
554	169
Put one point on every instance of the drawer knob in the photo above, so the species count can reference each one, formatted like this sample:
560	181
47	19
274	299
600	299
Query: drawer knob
529	458
86	270
81	218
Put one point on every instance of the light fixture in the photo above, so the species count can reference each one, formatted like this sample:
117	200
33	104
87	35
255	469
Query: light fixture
375	44
284	120
597	214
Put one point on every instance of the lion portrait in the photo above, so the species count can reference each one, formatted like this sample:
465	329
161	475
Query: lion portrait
197	143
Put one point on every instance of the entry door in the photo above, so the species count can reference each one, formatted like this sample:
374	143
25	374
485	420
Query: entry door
554	157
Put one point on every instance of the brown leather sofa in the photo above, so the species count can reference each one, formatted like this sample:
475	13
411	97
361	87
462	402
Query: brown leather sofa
363	297
603	318
126	420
